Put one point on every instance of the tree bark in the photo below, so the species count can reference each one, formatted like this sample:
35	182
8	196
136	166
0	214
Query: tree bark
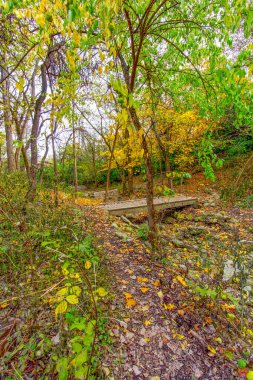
149	174
7	121
75	160
56	174
34	133
164	154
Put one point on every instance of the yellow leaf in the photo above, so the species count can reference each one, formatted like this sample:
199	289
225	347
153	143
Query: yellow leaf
76	38
211	349
87	264
40	20
100	70
130	302
156	283
65	271
169	306
72	299
144	290
147	323
160	294
102	292
76	290
3	305
178	336
155	378
62	292
74	275
181	280
61	308
142	279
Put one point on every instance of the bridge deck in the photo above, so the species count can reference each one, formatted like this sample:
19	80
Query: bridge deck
140	205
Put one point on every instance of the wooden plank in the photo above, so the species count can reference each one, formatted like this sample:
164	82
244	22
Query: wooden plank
140	205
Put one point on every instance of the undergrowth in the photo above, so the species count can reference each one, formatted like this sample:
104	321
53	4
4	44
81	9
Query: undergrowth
53	288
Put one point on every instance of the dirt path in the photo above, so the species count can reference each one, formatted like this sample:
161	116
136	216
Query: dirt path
158	332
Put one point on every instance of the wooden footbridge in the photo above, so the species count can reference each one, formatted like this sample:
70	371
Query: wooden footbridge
140	205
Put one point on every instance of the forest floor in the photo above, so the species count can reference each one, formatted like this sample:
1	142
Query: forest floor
183	312
179	314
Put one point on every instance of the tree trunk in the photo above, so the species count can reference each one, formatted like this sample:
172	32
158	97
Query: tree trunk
56	175
42	163
124	186
149	174
108	174
130	181
75	160
7	121
165	156
34	134
93	152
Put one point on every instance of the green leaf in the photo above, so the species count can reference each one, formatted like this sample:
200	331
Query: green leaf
77	347
62	368
102	292
61	308
72	299
62	292
242	363
81	358
81	372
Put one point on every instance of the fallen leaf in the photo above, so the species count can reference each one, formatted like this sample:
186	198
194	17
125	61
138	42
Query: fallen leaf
156	283
130	301
211	349
160	294
181	280
142	279
147	323
169	306
144	290
3	305
178	336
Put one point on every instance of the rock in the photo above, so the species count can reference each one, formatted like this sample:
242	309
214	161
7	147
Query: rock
129	335
106	370
136	370
142	342
178	243
196	231
229	270
123	236
56	339
247	288
198	373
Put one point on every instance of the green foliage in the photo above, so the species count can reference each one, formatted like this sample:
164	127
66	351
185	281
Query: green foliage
242	363
168	192
143	231
45	249
207	158
246	202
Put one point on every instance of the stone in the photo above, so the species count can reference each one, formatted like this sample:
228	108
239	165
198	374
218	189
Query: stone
229	270
136	370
